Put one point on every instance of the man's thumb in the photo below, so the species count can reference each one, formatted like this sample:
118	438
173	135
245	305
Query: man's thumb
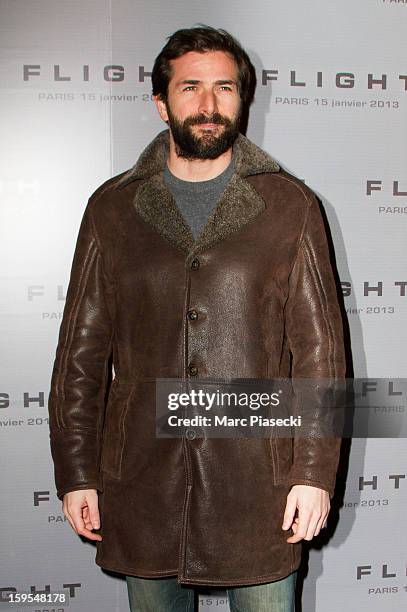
289	513
94	515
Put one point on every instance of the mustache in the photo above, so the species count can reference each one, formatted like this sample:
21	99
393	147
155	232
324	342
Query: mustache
199	119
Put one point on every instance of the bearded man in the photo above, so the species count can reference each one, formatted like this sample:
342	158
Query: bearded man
204	260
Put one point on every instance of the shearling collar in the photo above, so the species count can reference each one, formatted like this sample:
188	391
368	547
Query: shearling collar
238	204
250	159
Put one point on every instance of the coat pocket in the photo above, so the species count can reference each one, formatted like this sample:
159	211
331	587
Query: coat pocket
113	430
282	457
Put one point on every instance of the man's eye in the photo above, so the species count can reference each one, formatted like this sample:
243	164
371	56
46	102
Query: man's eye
189	87
227	87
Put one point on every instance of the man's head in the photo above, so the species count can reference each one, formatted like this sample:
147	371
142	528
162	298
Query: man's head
203	83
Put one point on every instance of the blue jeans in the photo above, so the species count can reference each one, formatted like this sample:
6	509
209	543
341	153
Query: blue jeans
167	595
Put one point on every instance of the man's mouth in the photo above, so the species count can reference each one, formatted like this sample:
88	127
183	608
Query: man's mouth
208	125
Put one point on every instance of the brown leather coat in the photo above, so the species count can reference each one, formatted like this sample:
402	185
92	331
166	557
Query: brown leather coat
260	279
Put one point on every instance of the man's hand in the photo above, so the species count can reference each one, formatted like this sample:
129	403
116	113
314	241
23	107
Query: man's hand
81	510
313	507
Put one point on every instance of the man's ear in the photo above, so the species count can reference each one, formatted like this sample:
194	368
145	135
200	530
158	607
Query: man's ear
161	107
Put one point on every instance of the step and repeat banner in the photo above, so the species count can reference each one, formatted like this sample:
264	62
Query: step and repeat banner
76	108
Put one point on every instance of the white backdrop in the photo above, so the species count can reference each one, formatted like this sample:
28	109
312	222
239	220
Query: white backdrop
331	108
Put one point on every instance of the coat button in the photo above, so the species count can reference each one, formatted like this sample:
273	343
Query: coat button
195	264
190	434
193	370
192	315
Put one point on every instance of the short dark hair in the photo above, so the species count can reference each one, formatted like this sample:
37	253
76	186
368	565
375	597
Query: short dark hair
203	38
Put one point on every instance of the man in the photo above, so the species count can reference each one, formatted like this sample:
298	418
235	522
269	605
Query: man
205	259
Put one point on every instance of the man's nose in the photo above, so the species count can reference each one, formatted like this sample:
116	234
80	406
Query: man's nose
208	103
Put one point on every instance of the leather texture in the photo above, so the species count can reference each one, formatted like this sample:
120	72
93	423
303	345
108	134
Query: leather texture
260	279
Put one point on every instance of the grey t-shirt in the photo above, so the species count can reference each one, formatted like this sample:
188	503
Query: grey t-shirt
197	199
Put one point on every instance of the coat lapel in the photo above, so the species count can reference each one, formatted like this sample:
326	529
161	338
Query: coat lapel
238	205
154	202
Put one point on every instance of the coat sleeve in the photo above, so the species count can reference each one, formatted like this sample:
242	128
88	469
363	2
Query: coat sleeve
79	376
315	335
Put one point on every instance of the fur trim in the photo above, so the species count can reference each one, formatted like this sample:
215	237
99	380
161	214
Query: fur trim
238	204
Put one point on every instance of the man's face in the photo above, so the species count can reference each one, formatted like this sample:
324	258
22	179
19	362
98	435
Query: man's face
203	107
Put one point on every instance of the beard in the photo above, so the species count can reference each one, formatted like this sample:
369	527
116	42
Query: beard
211	143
